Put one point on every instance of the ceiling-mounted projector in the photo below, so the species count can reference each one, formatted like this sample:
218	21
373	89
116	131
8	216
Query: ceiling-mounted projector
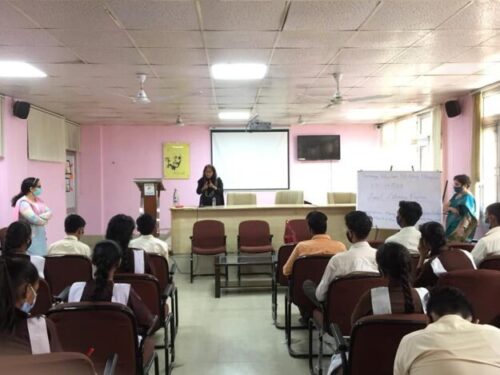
256	124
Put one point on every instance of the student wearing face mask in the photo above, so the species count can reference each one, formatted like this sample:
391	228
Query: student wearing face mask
461	219
29	207
18	286
490	243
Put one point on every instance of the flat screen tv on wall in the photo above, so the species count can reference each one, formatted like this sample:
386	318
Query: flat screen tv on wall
318	147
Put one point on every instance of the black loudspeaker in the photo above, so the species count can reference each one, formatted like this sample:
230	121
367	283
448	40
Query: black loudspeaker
452	108
22	109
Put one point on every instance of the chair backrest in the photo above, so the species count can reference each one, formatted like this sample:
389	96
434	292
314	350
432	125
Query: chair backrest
62	271
375	243
306	268
104	326
289	197
375	340
341	198
461	245
298	229
235	199
490	263
283	255
254	233
43	299
482	289
3	234
147	287
47	364
161	269
208	233
344	294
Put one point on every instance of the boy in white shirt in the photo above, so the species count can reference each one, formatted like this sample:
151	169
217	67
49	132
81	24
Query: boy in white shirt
490	243
409	214
146	225
74	226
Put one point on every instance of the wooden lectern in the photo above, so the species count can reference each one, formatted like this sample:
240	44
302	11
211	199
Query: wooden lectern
150	198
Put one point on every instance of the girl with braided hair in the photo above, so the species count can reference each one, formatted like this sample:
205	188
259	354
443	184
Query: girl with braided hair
106	258
394	263
441	258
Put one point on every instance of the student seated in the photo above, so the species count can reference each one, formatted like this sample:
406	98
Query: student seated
74	226
394	263
146	226
442	259
17	242
451	344
120	229
359	258
19	285
490	243
106	259
409	236
319	244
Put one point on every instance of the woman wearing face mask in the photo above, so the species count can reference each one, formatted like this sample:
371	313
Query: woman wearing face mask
29	207
210	188
461	219
18	286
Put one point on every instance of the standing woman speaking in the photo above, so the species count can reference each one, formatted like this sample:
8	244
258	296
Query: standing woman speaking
30	208
210	188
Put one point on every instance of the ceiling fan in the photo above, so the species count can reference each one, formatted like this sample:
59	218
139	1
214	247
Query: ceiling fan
141	97
339	99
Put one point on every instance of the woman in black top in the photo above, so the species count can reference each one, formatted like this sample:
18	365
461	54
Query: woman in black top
209	187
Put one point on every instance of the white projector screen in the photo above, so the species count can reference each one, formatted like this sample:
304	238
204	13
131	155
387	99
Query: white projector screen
251	160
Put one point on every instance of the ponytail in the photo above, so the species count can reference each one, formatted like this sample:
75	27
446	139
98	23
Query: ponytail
406	285
7	302
120	229
107	254
26	185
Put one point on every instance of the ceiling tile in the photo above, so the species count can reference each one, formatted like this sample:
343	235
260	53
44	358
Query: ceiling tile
10	18
239	55
457	68
240	39
165	39
385	39
303	56
352	69
91	38
405	69
94	70
294	71
412	14
191	73
328	15
478	55
482	14
242	15
366	55
175	56
38	54
27	37
429	55
495	41
313	39
109	55
467	38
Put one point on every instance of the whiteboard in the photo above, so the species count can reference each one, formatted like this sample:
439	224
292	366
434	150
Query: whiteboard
379	193
251	160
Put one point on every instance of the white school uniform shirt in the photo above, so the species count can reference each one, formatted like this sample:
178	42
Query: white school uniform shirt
359	258
39	337
69	245
488	245
150	244
409	237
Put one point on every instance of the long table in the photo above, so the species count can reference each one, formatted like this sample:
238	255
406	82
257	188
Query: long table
276	215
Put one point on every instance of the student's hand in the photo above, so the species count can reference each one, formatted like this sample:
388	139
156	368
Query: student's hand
460	231
423	251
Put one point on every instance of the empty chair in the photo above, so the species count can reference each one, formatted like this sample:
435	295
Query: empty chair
235	199
62	271
279	280
491	262
166	281
296	230
482	288
374	342
208	238
289	197
341	198
106	328
254	237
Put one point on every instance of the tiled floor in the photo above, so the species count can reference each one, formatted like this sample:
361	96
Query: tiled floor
231	335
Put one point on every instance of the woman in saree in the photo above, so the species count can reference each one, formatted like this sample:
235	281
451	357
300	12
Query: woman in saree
461	219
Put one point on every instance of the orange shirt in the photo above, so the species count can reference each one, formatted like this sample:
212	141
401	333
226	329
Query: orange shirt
319	244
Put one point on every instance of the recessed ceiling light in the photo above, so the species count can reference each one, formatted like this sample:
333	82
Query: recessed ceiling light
238	71
18	69
234	115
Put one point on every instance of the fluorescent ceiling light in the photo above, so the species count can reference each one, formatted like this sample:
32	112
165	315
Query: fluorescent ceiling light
234	115
238	71
18	69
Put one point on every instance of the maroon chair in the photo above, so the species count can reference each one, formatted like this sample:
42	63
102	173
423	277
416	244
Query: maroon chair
43	299
107	328
376	243
482	288
343	296
3	234
62	271
165	279
254	237
279	280
374	342
148	288
208	238
304	268
461	245
490	263
296	230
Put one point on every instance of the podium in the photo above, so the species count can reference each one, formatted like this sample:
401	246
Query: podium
150	198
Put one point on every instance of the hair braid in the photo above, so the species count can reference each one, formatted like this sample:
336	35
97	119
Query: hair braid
106	255
406	284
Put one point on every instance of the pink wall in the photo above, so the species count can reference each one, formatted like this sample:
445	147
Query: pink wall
112	156
15	166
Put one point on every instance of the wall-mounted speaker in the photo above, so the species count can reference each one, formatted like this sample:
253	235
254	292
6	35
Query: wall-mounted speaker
22	109
452	108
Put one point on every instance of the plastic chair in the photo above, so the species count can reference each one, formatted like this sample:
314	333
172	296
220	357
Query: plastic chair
374	342
148	288
106	328
482	288
235	199
208	239
165	278
289	197
341	198
296	230
490	263
279	280
62	271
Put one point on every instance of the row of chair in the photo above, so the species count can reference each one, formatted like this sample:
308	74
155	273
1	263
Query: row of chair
289	197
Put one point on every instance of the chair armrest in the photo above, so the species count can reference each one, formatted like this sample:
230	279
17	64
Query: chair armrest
152	327
111	362
342	346
64	295
310	294
171	270
169	290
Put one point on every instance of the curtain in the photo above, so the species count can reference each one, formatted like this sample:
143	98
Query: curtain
46	136
437	146
72	136
477	117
